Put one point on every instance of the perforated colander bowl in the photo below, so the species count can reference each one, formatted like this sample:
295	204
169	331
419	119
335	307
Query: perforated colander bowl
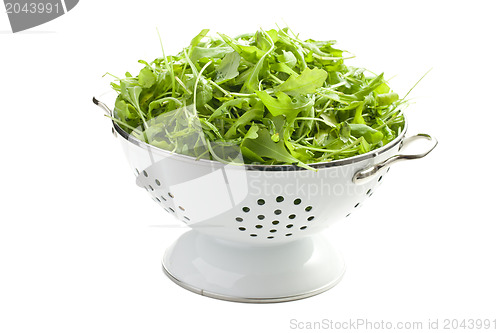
256	230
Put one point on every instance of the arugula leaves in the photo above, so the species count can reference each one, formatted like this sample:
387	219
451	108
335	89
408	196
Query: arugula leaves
283	104
228	68
270	96
306	83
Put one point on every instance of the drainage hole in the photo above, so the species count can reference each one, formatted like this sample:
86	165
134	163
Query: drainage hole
261	217
258	226
151	188
270	237
310	218
277	211
356	205
280	199
246	209
303	228
170	195
253	235
145	173
292	216
239	219
182	208
242	228
289	226
157	182
308	208
272	230
275	222
171	209
297	201
261	202
288	235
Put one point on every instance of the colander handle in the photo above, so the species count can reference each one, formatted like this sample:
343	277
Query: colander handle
103	106
106	109
365	175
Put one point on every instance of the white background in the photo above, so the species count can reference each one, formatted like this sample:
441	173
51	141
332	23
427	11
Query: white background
80	244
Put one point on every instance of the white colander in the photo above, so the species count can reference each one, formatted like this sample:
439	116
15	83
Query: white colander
256	229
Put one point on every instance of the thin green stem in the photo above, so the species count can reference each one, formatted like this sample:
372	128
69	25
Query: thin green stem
333	151
196	82
409	91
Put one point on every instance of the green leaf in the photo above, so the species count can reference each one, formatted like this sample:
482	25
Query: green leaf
252	81
262	42
371	135
358	116
146	78
245	119
197	39
283	104
204	91
364	146
264	146
203	94
159	102
153	131
382	89
301	154
125	111
306	83
281	67
247	152
387	99
287	58
162	144
131	94
252	132
345	132
198	53
248	52
361	94
228	68
329	119
237	102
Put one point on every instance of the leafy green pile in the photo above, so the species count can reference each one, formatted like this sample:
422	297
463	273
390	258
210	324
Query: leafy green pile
268	97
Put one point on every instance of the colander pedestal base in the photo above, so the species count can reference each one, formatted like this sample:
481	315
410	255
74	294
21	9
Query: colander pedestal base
254	274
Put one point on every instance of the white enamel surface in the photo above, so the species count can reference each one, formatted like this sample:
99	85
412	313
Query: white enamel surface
251	206
238	272
254	234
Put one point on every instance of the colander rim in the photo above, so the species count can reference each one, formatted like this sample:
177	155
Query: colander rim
264	167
